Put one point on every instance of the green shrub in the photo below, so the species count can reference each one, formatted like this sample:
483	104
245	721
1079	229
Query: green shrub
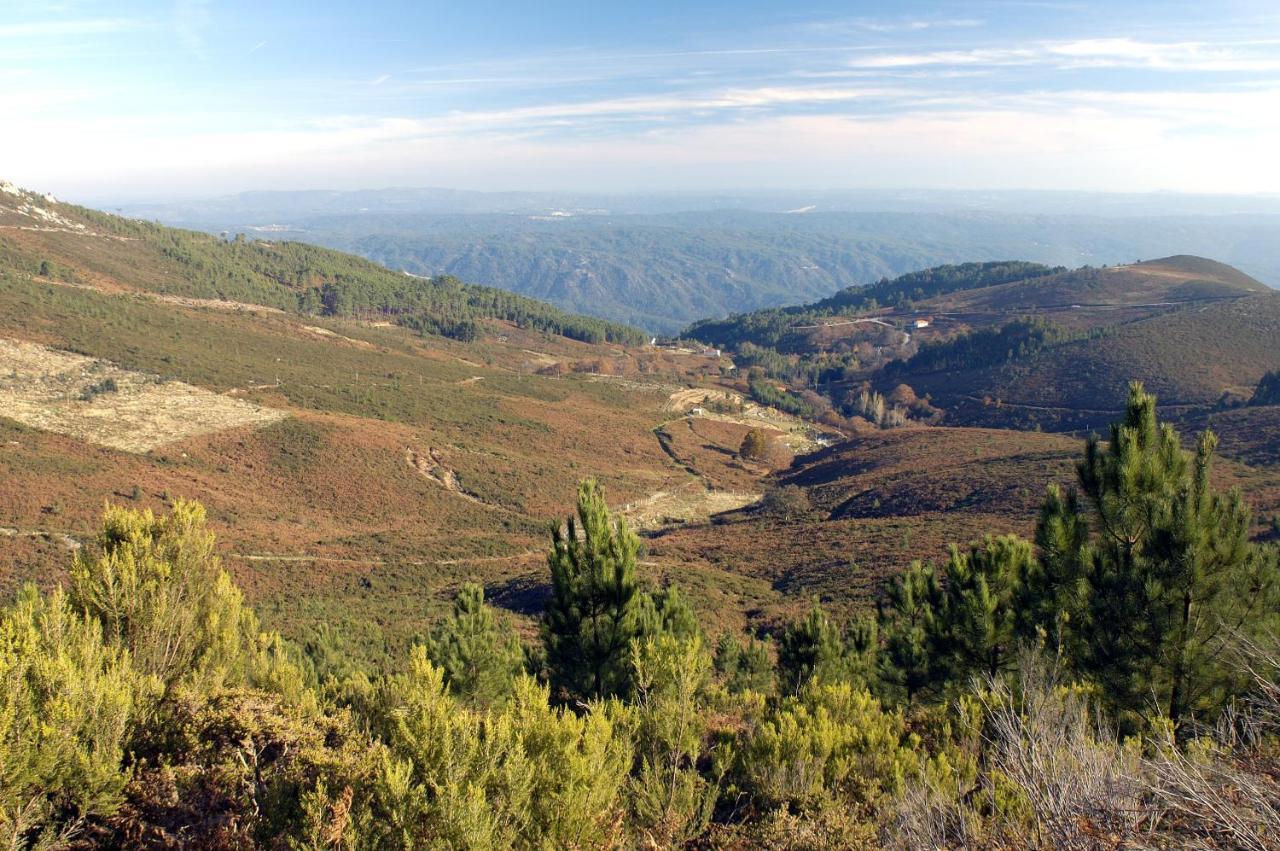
66	704
159	592
528	775
670	798
833	741
246	768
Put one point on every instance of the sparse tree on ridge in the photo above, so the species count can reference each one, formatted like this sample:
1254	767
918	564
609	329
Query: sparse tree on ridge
755	444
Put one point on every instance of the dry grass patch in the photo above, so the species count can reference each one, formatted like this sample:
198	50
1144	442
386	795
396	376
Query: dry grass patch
98	402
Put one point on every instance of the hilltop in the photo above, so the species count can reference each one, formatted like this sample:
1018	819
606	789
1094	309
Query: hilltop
1022	345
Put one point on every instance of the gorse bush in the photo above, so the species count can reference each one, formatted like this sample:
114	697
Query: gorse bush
67	699
1115	678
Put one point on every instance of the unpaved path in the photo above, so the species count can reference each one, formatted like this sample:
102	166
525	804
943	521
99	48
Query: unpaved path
800	436
692	502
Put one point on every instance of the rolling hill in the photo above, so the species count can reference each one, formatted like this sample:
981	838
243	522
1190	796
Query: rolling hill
357	468
358	465
1195	331
1025	346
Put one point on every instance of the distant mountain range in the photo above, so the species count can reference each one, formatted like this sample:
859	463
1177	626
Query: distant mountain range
662	261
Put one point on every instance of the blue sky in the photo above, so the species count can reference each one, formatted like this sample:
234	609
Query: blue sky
151	100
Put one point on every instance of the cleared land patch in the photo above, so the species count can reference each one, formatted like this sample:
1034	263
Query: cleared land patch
692	502
97	402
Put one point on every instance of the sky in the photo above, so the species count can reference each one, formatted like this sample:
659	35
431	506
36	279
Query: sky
130	100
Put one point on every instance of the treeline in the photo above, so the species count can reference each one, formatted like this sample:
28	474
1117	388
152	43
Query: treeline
983	705
1016	340
927	283
773	328
296	276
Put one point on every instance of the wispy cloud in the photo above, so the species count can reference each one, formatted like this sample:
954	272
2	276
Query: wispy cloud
916	25
1096	53
64	28
982	56
1175	56
983	95
190	20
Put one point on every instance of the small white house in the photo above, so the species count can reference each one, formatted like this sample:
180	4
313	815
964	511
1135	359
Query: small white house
921	323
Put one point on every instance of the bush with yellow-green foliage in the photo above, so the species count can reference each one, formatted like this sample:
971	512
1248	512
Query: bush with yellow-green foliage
67	700
527	775
833	741
671	798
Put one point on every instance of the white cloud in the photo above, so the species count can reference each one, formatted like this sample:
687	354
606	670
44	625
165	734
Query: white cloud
1083	140
916	25
1096	53
983	56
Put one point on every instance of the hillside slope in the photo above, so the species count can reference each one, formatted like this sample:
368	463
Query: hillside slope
68	244
881	500
355	469
1015	344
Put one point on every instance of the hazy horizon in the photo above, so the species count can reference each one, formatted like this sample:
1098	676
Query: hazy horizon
170	99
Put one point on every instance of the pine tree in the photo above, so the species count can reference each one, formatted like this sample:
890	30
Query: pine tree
906	616
674	614
816	648
744	667
976	630
1171	577
596	608
1055	592
809	648
480	661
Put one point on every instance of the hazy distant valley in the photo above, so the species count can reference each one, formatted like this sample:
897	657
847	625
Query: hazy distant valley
663	261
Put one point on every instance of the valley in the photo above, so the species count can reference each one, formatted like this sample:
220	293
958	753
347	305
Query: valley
639	427
357	470
663	261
